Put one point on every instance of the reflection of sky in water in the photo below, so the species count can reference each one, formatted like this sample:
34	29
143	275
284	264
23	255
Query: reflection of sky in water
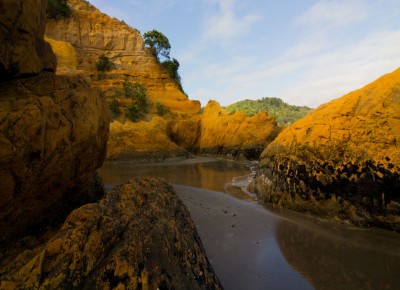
275	249
271	258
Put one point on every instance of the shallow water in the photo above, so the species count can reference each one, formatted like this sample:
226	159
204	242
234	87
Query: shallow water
254	247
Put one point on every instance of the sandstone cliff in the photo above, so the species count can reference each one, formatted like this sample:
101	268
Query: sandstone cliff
92	34
80	40
342	160
139	236
22	48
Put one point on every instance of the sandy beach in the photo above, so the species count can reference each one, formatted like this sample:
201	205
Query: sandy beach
239	239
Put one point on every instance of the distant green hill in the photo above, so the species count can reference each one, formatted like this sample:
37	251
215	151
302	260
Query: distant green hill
284	113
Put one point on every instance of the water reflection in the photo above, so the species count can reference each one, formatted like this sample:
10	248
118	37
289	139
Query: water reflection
204	173
334	256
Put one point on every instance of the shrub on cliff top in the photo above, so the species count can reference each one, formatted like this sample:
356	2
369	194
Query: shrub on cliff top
57	9
158	44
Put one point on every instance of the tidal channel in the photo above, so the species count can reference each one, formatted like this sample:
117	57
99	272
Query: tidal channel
252	246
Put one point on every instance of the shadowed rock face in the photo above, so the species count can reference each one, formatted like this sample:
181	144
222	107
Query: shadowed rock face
139	236
22	48
53	134
342	160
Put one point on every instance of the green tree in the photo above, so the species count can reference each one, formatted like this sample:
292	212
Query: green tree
57	9
172	66
158	44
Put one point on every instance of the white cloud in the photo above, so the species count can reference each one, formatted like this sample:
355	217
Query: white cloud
334	13
332	74
226	25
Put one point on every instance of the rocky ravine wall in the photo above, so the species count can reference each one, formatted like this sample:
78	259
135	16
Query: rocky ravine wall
91	34
22	48
53	135
215	132
47	123
79	41
53	132
342	160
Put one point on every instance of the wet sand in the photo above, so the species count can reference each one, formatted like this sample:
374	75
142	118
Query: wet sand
238	236
253	246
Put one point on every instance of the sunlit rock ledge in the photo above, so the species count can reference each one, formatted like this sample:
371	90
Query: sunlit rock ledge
342	160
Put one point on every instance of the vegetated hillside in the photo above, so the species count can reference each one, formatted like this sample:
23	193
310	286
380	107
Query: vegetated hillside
284	113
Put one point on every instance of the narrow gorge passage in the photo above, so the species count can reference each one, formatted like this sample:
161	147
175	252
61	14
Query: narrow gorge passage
254	247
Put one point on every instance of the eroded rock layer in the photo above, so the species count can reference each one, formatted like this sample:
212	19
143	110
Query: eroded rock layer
53	136
92	34
139	236
342	160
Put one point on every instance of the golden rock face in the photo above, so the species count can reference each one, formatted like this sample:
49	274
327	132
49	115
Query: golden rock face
92	34
365	122
145	141
341	160
221	130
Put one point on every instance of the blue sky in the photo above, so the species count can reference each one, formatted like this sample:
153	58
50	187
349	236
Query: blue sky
305	52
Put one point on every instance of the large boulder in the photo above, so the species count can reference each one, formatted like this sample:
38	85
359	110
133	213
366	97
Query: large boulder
142	141
139	236
22	48
53	136
342	160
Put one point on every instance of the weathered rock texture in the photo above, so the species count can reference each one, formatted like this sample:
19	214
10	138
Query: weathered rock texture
219	133
22	48
139	236
342	160
92	34
146	141
214	132
53	134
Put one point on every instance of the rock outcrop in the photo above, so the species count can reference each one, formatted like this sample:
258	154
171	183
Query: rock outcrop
217	132
139	236
342	160
48	123
53	134
22	48
142	141
92	34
